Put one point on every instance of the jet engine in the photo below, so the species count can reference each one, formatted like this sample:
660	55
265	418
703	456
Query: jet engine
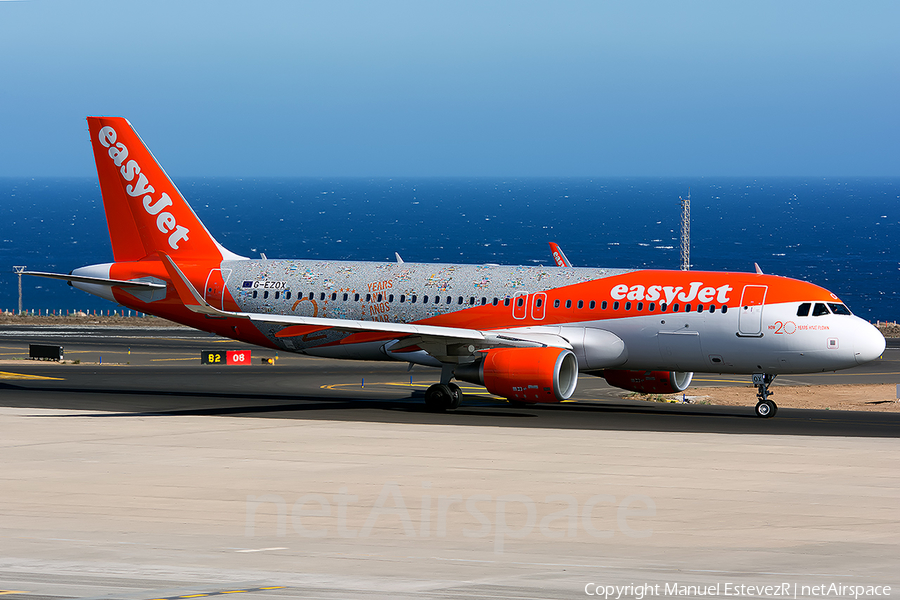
649	382
524	374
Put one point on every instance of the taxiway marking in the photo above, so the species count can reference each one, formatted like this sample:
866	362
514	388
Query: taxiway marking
222	593
7	375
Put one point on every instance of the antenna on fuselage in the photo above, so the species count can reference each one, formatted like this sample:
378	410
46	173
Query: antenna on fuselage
686	231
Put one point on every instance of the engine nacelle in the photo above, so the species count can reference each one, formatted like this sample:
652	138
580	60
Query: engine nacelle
649	382
525	374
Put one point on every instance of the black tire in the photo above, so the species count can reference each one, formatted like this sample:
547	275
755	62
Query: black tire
438	397
766	409
456	396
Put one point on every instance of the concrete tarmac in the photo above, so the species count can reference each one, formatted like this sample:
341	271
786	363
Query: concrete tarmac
326	479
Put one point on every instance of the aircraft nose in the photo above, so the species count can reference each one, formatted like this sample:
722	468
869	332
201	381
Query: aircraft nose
869	344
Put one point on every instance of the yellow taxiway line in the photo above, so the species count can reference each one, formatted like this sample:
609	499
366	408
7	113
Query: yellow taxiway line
7	375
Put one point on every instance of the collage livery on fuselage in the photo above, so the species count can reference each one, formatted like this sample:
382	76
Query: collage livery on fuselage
523	332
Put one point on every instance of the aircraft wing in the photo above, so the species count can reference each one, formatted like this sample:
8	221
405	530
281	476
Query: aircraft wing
420	335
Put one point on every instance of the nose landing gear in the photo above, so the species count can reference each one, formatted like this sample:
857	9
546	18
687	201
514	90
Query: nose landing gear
765	408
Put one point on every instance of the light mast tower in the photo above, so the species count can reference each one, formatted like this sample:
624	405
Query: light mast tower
686	232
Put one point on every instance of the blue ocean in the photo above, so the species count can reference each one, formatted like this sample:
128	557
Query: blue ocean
843	234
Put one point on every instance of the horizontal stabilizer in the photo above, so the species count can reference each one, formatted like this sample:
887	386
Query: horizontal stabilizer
134	285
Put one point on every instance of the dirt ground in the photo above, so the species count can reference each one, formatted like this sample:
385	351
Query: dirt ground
84	320
881	397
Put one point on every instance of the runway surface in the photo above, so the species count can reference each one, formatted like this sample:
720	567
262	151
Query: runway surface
314	478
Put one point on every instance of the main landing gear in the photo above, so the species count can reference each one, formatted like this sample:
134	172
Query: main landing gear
765	408
443	396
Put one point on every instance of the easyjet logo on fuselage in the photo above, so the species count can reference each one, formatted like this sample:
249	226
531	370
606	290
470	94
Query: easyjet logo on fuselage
671	293
165	221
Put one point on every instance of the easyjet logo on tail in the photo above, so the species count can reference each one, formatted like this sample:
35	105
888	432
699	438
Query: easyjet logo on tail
670	293
129	169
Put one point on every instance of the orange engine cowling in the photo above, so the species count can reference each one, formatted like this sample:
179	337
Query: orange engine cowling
649	382
525	374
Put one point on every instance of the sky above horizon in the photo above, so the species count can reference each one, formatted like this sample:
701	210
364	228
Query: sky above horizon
483	88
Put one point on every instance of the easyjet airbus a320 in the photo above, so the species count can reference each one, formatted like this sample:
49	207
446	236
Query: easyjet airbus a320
524	333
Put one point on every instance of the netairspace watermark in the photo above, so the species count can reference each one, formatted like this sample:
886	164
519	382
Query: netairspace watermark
508	516
782	590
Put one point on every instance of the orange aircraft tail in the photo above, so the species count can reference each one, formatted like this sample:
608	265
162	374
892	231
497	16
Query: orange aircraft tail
145	212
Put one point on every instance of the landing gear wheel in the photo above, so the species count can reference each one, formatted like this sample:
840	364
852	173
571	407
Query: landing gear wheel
440	397
766	409
456	396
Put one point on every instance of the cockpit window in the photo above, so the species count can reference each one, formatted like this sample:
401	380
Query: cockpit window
803	311
819	310
839	309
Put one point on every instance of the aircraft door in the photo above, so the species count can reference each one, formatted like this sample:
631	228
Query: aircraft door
214	291
753	299
538	306
520	305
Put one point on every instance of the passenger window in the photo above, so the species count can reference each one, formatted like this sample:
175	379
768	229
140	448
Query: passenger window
255	293
322	296
819	309
356	297
483	300
346	296
839	309
390	298
699	308
568	304
663	307
640	306
592	305
287	295
495	302
712	308
652	306
675	307
687	308
471	300
581	304
616	305
333	295
277	294
368	297
724	309
424	299
603	305
539	302
265	295
402	298
520	301
556	303
506	302
380	297
312	295
413	299
460	300
628	306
